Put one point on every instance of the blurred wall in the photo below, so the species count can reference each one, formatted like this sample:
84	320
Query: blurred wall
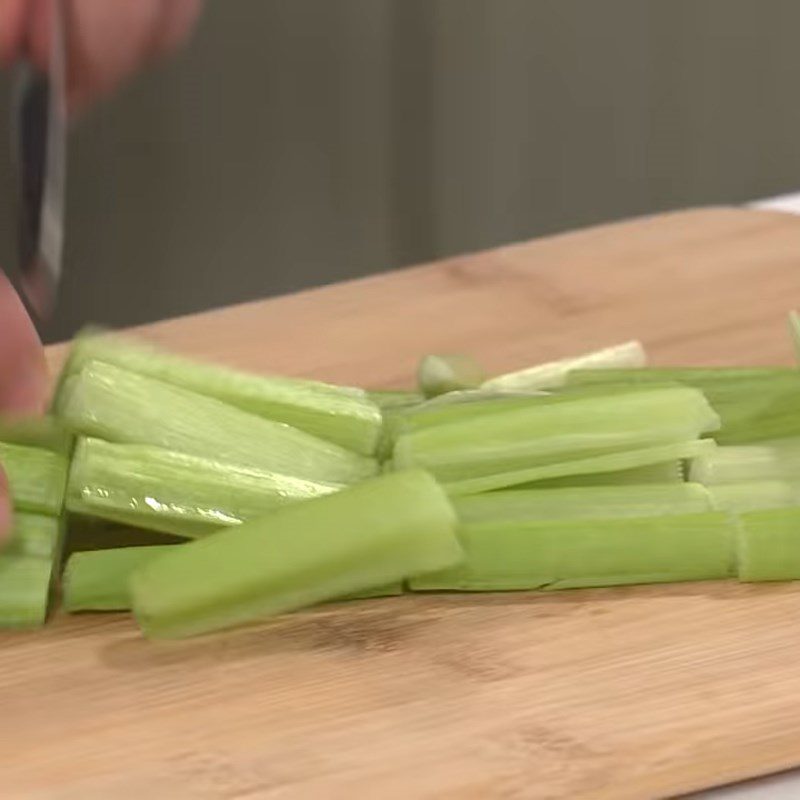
298	143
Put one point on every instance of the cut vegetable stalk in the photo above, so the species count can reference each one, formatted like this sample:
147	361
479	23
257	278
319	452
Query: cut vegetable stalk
612	463
595	502
464	406
401	417
98	580
27	565
25	592
754	495
44	433
460	406
439	374
110	403
391	398
777	460
380	531
553	374
570	554
36	477
175	493
663	472
340	414
754	404
769	545
35	536
551	432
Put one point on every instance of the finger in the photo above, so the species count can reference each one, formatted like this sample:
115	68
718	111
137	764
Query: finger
178	18
107	41
23	372
12	18
5	509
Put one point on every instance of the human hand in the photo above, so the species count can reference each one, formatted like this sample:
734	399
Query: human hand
23	375
107	40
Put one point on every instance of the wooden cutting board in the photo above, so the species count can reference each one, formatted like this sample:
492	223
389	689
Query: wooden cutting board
623	693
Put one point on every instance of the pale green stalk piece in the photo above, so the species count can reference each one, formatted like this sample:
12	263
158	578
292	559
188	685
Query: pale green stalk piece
439	374
27	564
693	376
754	404
33	535
596	502
392	398
45	433
175	493
466	405
341	414
460	406
663	472
569	554
769	545
754	495
450	407
107	402
36	477
24	590
613	463
547	433
777	460
98	580
375	533
393	419
553	374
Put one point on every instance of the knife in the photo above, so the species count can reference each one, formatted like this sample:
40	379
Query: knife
39	151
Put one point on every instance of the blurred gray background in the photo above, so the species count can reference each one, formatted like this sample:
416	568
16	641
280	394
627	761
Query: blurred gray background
301	142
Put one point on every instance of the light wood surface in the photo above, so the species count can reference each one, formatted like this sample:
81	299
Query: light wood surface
626	693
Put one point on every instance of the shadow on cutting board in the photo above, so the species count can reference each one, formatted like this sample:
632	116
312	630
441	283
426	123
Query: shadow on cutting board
390	625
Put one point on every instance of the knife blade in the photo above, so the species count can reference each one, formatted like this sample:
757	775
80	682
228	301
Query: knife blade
39	151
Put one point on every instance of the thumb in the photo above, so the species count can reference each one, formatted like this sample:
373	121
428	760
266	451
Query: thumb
23	372
5	509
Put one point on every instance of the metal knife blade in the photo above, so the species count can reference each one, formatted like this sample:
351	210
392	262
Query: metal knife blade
39	145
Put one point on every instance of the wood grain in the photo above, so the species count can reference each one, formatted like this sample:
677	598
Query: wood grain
626	693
